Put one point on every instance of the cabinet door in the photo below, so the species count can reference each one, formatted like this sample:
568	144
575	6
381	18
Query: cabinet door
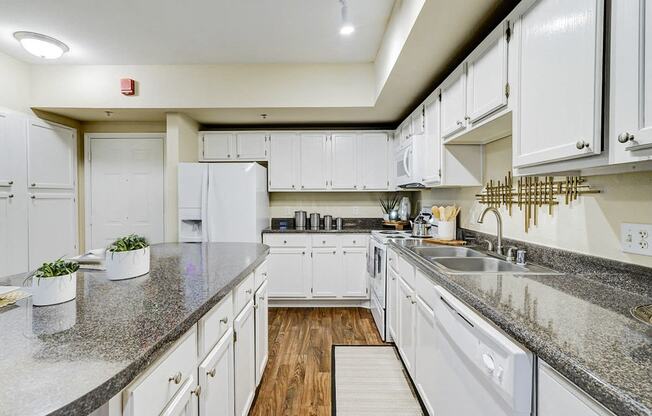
245	359
51	156
251	146
426	349
13	235
326	273
314	162
354	264
406	337
631	81
262	331
373	161
184	403
218	146
8	166
418	122
283	162
486	76
216	378
558	105
343	161
392	305
50	239
453	102
431	155
289	272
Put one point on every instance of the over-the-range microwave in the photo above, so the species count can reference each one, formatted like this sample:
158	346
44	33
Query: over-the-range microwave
404	165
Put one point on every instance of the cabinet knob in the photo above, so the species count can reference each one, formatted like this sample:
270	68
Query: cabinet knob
625	137
32	184
211	373
334	252
581	144
196	391
248	291
10	182
292	186
353	241
364	187
302	186
256	306
238	156
323	242
176	378
10	196
32	196
344	252
228	155
459	123
225	320
467	118
285	241
355	186
262	298
303	252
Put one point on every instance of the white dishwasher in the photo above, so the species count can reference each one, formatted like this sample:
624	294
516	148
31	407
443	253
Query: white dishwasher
479	371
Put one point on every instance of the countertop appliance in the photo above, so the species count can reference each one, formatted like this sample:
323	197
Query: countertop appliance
300	220
377	271
480	371
222	202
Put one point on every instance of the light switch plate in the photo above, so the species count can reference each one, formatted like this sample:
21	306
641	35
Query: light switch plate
636	238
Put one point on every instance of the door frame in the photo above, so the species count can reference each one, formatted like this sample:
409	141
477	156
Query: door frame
87	173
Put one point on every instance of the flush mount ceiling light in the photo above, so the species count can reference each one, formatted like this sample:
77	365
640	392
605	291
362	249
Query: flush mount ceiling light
40	45
347	27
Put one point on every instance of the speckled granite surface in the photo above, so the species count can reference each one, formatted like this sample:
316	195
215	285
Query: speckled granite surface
351	225
579	325
71	358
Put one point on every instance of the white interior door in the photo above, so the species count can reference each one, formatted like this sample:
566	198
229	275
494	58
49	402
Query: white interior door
126	189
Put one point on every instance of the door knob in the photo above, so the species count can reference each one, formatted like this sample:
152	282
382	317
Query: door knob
625	137
581	144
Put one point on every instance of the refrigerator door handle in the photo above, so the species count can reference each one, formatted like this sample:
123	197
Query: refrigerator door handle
204	205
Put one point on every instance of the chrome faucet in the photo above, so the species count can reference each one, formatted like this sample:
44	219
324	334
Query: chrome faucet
499	223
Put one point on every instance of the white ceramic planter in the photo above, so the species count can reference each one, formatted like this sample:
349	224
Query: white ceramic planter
54	290
127	264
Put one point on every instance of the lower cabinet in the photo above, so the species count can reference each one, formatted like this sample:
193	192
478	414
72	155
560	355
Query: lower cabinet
245	359
184	403
216	379
288	268
354	272
406	331
392	304
326	281
262	330
426	349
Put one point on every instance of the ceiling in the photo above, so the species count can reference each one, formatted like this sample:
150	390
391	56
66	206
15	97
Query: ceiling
121	32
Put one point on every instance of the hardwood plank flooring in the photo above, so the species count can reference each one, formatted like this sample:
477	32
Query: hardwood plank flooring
297	380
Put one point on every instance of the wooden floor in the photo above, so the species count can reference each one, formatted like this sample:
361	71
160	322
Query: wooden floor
297	380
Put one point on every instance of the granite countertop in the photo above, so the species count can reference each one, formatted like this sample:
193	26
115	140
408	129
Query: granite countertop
73	357
576	323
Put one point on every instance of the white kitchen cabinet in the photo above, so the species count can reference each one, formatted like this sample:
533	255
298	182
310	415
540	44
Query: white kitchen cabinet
425	350
51	153
557	396
418	121
327	279
354	272
8	140
216	379
392	304
261	304
406	327
288	272
630	128
343	161
314	162
453	102
185	402
486	77
217	146
284	162
405	131
373	161
557	109
244	359
251	146
428	147
52	227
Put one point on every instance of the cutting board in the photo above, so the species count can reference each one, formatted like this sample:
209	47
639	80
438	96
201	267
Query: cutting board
445	242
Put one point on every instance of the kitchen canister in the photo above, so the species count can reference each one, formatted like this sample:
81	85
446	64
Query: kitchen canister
339	223
328	222
314	221
300	220
446	230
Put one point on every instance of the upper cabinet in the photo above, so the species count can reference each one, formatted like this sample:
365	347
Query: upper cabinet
453	102
558	101
233	146
343	161
630	134
51	156
373	161
284	162
314	161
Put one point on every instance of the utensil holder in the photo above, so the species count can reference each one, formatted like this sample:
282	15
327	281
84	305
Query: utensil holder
446	230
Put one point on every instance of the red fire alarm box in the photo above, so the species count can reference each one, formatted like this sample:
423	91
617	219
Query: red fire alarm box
127	86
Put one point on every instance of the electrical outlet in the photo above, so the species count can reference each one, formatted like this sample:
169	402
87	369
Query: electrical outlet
635	238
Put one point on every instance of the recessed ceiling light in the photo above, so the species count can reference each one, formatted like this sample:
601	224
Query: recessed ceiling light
347	28
40	45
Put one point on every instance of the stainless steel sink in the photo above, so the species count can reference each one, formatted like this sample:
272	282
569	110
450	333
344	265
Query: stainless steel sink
475	265
443	251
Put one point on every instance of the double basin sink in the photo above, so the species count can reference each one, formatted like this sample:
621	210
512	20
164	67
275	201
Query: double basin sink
463	260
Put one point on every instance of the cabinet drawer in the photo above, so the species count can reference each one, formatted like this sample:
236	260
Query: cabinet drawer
215	324
406	271
354	240
392	260
286	240
324	240
243	293
260	274
152	391
425	289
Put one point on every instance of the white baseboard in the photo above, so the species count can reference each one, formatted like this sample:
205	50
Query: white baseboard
319	303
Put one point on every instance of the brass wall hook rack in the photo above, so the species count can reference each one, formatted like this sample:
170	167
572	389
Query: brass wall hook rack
532	193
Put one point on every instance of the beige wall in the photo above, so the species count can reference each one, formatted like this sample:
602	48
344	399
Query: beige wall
337	204
14	85
590	225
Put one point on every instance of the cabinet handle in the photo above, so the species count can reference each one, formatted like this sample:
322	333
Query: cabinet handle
622	138
10	196
196	391
393	278
176	378
413	301
225	320
248	291
262	298
334	252
33	184
32	196
211	373
10	182
581	144
459	123
264	274
344	252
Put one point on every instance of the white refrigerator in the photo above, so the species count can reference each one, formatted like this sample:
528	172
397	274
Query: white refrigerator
222	202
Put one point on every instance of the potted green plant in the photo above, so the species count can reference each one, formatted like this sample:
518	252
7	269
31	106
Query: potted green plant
127	257
54	283
388	203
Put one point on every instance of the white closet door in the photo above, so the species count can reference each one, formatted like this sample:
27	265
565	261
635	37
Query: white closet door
51	156
126	194
52	227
